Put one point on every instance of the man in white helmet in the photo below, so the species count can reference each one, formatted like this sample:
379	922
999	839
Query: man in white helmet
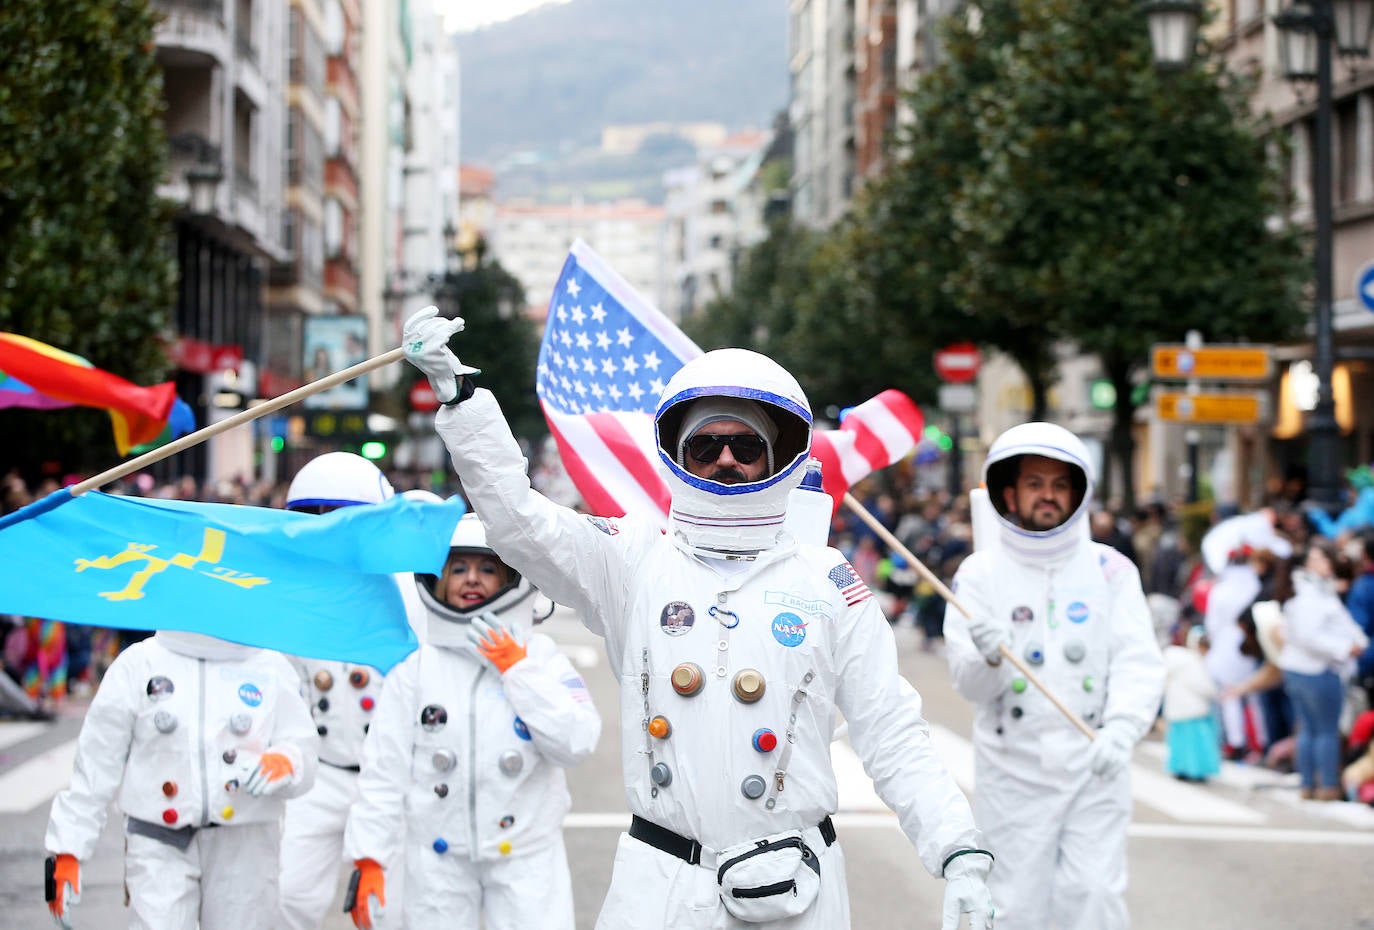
734	645
197	741
1053	804
462	775
342	697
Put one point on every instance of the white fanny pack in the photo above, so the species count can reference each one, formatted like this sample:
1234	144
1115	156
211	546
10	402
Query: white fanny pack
767	879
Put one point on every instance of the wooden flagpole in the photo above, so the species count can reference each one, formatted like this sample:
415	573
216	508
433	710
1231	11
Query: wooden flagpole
894	543
238	419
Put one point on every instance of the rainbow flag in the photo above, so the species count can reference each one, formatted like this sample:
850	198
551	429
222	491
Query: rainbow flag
15	393
138	414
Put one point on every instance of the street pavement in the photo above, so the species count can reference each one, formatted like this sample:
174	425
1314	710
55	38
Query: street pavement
1240	852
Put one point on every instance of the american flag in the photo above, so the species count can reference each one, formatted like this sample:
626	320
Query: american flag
605	357
851	586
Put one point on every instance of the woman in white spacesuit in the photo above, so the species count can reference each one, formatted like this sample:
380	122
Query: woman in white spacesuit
734	645
466	754
1053	804
197	740
342	697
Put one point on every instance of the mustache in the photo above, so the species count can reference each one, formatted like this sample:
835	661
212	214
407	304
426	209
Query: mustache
728	475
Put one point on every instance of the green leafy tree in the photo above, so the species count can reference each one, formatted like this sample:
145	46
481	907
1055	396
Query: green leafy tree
84	257
1119	206
904	246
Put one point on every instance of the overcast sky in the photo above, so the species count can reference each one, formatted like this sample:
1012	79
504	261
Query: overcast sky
467	15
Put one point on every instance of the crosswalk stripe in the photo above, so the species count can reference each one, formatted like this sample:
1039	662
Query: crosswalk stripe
1172	798
579	820
30	783
14	733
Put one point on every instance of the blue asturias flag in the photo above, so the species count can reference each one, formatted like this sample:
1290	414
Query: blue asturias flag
310	585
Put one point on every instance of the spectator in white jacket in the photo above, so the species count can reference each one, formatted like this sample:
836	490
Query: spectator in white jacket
1320	642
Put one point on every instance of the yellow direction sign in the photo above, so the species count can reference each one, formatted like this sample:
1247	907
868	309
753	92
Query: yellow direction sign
1182	407
1220	362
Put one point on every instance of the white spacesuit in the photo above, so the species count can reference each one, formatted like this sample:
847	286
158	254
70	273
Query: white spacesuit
733	645
1053	805
181	735
470	759
342	697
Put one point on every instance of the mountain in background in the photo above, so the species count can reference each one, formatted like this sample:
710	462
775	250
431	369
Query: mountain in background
548	81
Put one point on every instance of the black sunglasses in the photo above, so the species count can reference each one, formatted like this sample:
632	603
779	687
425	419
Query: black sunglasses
705	448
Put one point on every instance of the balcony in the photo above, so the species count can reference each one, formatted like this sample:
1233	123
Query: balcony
192	31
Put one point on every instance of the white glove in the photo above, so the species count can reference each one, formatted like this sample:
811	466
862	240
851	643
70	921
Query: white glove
1111	751
989	635
966	891
425	339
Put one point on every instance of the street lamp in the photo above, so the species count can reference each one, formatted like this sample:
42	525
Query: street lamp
1173	31
1306	33
1306	30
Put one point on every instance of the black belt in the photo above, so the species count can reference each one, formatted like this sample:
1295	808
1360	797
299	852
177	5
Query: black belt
346	768
689	850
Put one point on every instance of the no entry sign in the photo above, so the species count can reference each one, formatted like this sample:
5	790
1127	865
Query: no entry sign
958	363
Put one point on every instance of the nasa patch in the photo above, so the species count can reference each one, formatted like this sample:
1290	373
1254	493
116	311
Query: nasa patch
1078	612
789	629
250	694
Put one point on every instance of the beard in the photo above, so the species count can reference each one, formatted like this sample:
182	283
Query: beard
1044	517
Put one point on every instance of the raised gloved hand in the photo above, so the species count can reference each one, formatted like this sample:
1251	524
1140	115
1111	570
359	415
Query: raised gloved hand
966	891
64	888
366	894
272	772
425	339
989	635
1111	750
495	643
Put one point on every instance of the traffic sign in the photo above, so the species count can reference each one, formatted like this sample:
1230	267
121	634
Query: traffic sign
1364	287
1182	407
422	397
1213	362
958	398
958	364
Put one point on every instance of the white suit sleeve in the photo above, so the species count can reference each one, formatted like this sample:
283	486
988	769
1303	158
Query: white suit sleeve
378	816
891	736
1135	672
102	752
293	733
973	677
527	529
551	698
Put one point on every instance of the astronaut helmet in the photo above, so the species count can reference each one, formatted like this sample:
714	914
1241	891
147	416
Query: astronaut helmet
1044	531
736	505
336	479
474	581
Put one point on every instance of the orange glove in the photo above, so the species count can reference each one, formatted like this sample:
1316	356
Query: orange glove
367	894
496	644
67	889
273	770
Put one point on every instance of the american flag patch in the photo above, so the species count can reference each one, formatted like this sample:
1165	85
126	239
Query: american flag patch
851	586
577	688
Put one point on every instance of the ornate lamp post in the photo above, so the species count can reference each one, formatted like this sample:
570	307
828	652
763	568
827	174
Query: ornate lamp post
1307	30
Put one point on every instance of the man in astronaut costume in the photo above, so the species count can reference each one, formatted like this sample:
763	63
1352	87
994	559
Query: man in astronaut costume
1053	805
467	751
733	644
198	741
342	697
